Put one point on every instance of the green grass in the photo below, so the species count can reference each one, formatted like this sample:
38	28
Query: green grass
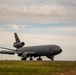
35	67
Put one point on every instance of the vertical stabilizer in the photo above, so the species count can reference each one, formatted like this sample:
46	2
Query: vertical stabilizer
16	38
18	43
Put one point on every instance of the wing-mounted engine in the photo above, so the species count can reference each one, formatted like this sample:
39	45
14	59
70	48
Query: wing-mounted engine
18	45
24	55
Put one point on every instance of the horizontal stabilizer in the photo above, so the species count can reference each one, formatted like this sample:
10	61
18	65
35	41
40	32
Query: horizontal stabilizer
7	48
7	52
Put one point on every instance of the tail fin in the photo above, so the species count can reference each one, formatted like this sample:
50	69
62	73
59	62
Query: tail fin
18	43
16	38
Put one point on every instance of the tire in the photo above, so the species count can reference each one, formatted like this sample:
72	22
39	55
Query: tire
23	58
31	58
39	58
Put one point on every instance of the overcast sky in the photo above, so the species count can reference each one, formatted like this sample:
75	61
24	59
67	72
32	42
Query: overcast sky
39	22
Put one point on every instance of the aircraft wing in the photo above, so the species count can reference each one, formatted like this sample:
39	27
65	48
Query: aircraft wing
7	52
7	48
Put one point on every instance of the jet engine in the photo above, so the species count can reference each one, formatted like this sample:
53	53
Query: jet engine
18	45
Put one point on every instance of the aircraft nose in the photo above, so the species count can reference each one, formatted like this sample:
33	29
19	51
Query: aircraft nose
60	50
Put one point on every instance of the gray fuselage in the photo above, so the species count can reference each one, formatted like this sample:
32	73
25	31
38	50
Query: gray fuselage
43	50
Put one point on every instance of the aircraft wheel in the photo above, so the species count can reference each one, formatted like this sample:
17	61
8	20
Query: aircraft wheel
52	59
39	58
31	58
23	59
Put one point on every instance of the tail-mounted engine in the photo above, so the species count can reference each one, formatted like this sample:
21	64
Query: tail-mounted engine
18	45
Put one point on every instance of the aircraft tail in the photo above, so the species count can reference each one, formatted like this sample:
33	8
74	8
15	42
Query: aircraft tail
16	38
18	43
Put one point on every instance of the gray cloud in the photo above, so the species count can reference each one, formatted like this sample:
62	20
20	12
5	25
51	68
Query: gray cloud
36	2
43	14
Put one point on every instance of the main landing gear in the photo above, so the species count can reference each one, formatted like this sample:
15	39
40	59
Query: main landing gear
31	58
23	58
39	58
52	59
26	58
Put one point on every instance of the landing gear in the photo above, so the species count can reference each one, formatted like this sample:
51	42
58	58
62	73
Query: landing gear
52	59
31	58
23	58
39	58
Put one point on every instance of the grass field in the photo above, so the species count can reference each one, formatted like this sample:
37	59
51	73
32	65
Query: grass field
37	68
